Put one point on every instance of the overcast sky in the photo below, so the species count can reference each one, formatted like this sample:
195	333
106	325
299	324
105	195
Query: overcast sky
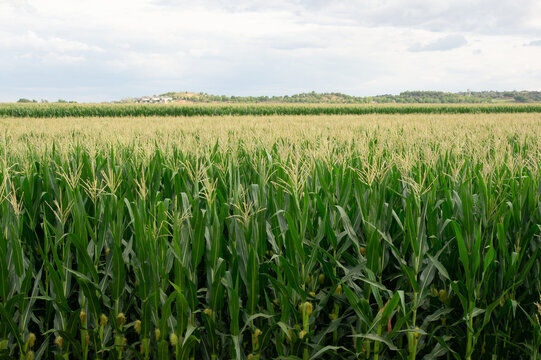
105	50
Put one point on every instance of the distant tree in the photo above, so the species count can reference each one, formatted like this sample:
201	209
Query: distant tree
23	100
521	98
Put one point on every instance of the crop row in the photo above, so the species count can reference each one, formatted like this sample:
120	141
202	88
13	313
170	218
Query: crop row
119	110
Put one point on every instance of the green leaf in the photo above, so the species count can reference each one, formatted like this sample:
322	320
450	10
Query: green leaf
252	279
462	251
349	229
439	266
12	326
379	338
489	258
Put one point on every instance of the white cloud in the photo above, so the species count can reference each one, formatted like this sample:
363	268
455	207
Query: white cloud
30	41
113	49
445	43
55	59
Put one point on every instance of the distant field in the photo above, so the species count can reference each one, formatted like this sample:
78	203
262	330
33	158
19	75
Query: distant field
118	110
293	237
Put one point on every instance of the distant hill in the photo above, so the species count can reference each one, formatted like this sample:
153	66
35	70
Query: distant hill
412	97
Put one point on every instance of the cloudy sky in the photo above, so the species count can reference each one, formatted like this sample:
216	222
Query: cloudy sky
104	50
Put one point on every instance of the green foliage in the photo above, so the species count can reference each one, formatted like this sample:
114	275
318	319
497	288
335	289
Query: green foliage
252	252
23	100
122	110
521	98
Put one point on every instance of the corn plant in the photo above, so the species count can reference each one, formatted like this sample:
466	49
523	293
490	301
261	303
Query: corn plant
216	109
261	238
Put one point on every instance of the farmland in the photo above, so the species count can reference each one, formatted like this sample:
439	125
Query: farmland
395	234
248	109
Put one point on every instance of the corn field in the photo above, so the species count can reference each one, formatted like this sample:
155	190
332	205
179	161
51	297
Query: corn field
290	237
216	109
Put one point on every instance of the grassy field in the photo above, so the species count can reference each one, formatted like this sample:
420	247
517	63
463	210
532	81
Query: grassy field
293	237
217	109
